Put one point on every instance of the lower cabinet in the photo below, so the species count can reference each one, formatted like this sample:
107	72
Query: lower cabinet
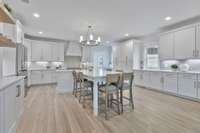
187	84
41	77
156	80
11	107
170	82
1	111
146	78
138	77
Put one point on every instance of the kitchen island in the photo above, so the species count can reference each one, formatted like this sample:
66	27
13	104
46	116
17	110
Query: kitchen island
64	80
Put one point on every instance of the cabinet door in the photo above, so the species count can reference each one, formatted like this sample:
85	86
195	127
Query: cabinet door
184	43
166	46
46	77
138	78
146	79
10	109
46	52
170	82
1	112
156	80
36	51
36	77
187	84
198	41
19	99
28	43
61	49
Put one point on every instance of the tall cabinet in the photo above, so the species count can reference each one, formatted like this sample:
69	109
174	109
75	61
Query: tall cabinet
123	55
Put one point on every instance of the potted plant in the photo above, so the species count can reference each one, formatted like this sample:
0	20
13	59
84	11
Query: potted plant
174	67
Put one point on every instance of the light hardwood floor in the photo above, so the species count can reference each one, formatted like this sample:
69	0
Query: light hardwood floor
48	112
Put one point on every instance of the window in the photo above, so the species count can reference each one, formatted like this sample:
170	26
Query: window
152	58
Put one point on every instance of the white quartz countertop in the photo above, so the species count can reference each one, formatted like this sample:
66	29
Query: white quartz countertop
159	70
7	81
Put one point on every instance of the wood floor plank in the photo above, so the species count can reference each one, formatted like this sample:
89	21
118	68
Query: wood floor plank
49	112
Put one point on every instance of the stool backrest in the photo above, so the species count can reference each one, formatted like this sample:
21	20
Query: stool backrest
113	79
127	78
74	75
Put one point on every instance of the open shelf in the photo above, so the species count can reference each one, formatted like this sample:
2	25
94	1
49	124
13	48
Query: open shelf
5	16
4	42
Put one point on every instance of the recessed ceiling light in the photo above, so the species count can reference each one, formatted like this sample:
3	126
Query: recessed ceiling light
40	32
36	15
168	18
126	34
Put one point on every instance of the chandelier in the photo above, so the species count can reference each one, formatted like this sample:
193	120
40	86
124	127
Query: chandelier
89	40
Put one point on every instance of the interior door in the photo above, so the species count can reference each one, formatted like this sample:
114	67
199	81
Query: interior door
198	41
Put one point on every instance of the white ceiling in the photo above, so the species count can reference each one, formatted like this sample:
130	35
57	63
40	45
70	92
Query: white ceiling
68	19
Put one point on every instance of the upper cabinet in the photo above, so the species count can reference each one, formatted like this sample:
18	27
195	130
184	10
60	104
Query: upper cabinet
184	43
166	47
198	41
47	51
58	52
180	43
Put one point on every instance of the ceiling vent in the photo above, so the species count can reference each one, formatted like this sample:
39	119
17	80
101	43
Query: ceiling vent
26	1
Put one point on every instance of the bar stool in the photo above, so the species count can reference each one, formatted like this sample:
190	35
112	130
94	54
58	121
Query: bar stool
109	88
75	84
126	84
86	88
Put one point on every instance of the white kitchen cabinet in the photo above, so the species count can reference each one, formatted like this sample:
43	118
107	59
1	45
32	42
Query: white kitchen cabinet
36	51
27	44
41	77
57	52
166	46
10	108
46	52
41	51
138	78
198	41
187	85
19	99
146	79
156	80
1	112
198	86
170	82
36	77
184	43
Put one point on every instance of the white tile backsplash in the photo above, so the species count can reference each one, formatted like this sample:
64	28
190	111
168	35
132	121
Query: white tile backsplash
194	64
